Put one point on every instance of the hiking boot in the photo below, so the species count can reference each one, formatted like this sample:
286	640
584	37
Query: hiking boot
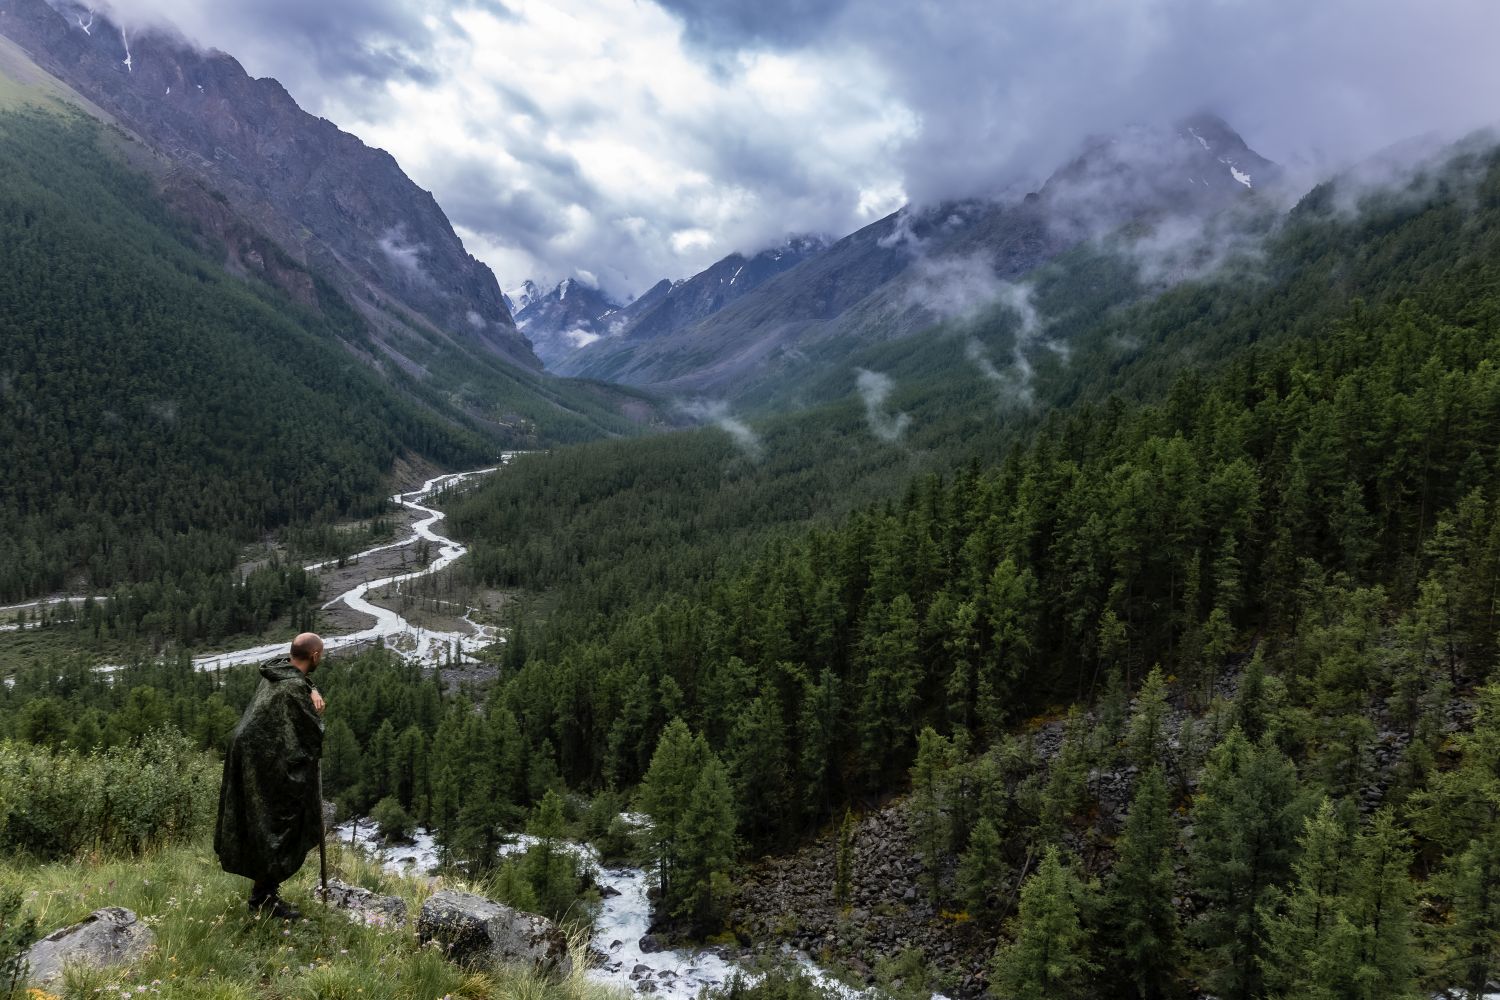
274	907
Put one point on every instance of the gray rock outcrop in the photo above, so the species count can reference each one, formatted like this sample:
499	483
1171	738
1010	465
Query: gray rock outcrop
365	907
480	932
108	937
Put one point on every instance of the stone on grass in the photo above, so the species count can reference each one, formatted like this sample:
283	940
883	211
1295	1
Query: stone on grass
108	937
481	932
365	907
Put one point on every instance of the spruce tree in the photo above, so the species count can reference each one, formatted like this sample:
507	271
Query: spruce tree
1146	937
980	868
708	844
1245	826
1147	739
1066	791
1381	906
928	810
1050	956
843	863
688	796
1308	945
549	869
1471	937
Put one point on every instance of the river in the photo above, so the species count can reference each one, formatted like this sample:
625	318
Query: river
426	646
624	919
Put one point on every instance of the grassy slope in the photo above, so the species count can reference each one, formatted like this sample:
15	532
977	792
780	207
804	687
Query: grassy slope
208	947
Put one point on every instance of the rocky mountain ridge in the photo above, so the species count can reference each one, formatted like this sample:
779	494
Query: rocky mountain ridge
905	272
332	204
565	323
572	315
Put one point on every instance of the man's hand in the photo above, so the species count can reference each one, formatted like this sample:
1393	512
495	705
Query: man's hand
318	703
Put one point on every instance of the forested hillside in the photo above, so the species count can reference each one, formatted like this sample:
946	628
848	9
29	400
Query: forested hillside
1317	484
157	413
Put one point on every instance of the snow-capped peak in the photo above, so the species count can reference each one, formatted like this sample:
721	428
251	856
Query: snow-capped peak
525	295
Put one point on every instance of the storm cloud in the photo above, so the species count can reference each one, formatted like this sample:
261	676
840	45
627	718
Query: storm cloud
641	139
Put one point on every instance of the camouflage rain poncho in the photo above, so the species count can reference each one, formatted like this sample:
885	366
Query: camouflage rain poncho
270	813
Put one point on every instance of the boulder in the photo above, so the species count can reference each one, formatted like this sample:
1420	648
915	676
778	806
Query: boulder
481	932
108	937
365	907
330	815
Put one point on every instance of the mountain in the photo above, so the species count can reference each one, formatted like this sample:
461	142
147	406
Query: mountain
565	319
1262	516
282	197
565	324
329	201
519	298
732	278
918	267
167	397
668	307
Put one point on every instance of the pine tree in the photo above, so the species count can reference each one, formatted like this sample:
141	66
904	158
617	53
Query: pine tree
1146	938
1251	702
891	653
549	869
1344	928
1308	947
1066	792
687	794
1147	740
1050	956
757	756
1245	825
843	863
380	753
928	809
708	842
1381	907
1471	937
408	776
980	868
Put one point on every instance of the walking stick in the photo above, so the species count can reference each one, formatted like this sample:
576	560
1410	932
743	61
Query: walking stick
322	836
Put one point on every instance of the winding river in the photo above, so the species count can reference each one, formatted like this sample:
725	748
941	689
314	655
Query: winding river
426	646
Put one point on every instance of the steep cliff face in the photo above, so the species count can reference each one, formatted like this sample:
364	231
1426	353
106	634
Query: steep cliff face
331	202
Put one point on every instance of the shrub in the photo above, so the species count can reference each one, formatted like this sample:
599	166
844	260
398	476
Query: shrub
394	822
54	804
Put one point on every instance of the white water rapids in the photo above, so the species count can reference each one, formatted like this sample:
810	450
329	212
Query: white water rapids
624	919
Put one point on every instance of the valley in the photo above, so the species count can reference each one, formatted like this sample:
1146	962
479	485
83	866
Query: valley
1080	580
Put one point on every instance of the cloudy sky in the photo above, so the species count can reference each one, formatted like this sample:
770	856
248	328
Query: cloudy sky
630	140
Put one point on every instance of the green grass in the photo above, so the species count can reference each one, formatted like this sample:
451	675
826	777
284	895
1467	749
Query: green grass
207	946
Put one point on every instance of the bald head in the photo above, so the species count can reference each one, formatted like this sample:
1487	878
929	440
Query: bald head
307	650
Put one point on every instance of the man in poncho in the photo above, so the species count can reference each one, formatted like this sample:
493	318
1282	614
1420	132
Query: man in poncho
270	805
